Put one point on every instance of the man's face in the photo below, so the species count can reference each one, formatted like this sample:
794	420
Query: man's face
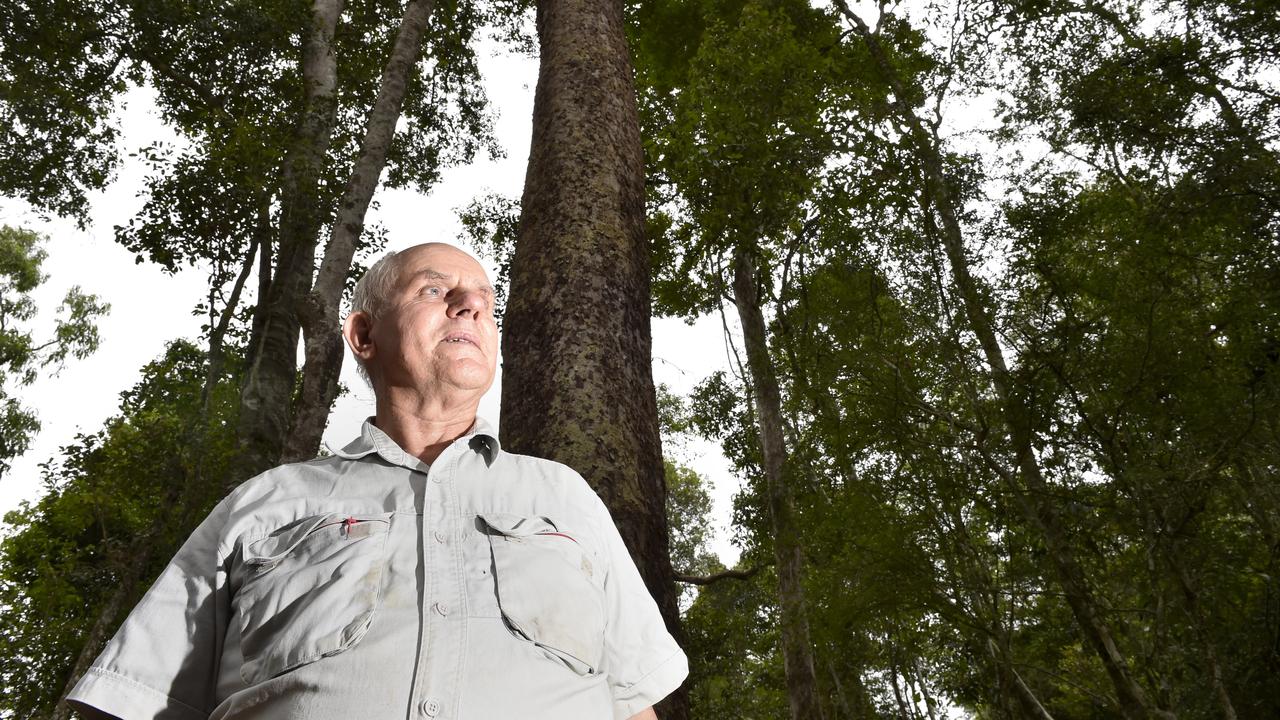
437	333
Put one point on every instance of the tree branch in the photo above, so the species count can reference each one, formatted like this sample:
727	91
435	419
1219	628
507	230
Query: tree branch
716	577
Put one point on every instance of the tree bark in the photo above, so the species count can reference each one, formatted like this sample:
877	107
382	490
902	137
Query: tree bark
797	650
1035	497
897	695
320	321
266	397
717	577
577	357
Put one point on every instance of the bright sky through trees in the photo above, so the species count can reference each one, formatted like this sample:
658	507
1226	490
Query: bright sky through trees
150	308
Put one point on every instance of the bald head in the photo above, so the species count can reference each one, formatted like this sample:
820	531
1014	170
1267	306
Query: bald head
433	272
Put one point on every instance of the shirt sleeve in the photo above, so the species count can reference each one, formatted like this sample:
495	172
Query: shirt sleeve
643	661
162	662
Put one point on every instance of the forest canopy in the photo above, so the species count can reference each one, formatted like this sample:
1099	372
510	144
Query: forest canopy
1001	283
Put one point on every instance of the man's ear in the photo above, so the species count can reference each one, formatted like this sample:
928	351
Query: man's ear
356	331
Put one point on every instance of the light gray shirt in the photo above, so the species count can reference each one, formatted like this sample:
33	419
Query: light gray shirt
369	585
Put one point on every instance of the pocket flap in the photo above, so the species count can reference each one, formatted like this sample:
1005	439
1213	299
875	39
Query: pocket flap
263	553
308	590
545	588
283	540
513	525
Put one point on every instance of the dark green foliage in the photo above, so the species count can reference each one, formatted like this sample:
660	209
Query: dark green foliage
1124	224
489	224
1121	214
734	671
127	494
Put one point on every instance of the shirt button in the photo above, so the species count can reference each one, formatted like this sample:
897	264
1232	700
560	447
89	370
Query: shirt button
430	707
439	535
442	608
437	478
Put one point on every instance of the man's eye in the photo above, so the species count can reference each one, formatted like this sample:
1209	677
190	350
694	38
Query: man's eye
431	290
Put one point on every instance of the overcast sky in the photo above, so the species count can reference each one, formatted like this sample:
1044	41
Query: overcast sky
150	308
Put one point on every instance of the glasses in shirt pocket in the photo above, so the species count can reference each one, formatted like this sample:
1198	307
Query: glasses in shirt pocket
307	590
548	588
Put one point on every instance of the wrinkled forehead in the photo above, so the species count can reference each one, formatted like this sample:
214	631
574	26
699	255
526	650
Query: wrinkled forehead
440	261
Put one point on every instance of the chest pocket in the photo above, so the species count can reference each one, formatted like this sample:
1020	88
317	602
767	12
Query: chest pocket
548	587
308	590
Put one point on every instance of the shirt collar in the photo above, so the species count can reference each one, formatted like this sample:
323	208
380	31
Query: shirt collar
480	438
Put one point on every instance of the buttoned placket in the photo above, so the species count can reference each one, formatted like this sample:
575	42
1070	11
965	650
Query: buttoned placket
442	621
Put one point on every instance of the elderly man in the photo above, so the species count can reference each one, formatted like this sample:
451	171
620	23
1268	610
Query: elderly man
419	572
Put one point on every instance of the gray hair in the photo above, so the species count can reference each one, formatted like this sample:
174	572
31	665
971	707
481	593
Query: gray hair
373	293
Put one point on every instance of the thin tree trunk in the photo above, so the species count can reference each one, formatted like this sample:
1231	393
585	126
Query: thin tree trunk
1192	598
217	357
897	695
321	325
797	650
988	616
840	701
1009	677
930	704
265	261
1035	498
577	352
266	397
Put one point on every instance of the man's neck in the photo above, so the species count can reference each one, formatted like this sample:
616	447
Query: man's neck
423	427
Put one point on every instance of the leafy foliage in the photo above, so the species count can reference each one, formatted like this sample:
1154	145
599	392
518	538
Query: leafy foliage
1122	220
21	355
117	501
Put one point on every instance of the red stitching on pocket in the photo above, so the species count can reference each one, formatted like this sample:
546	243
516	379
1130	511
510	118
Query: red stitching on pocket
558	534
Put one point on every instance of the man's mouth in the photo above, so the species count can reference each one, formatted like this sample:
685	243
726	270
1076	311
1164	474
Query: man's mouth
461	338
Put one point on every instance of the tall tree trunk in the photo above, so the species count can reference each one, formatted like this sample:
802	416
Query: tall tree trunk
266	397
797	650
577	358
1036	497
323	345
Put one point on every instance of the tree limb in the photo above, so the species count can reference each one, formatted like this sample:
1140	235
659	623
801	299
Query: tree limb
716	577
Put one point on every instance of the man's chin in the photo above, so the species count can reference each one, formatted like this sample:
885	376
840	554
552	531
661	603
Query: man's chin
468	378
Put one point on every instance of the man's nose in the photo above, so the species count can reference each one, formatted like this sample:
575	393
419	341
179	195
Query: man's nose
466	303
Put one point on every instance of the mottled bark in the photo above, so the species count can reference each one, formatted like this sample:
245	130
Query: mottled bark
1028	482
267	393
320	321
577	381
797	650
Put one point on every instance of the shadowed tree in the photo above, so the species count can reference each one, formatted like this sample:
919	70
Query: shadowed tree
577	380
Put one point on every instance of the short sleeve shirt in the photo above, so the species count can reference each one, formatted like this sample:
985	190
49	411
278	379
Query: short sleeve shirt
370	585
